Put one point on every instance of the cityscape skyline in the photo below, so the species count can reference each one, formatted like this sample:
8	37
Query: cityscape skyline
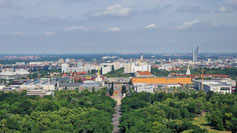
118	66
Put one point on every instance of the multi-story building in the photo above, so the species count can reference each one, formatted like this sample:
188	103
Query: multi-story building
144	88
219	86
133	67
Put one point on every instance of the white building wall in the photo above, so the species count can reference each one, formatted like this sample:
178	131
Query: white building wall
106	69
65	67
133	68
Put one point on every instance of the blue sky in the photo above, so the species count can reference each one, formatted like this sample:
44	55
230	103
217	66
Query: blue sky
121	26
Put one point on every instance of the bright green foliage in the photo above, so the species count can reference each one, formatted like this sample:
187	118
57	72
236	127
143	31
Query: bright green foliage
69	111
223	111
162	112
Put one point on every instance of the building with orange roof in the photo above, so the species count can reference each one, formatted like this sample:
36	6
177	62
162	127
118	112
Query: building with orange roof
143	74
162	80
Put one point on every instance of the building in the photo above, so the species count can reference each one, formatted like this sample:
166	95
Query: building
13	74
188	72
137	66
41	84
106	69
140	65
117	80
65	68
166	80
144	88
80	68
220	86
79	86
195	55
38	92
167	67
143	74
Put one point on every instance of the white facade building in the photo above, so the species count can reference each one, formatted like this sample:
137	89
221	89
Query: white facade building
12	74
144	88
106	69
134	67
81	68
220	86
166	67
42	84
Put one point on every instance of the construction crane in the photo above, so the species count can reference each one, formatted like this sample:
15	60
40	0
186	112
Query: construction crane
202	77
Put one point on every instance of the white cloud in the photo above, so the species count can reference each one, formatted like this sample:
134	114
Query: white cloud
78	28
16	33
222	9
115	10
150	26
187	25
114	29
49	33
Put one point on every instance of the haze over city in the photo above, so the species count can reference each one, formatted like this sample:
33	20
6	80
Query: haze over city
121	26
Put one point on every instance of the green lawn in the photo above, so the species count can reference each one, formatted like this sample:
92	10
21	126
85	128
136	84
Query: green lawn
201	122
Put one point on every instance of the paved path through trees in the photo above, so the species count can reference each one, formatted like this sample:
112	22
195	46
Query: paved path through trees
117	97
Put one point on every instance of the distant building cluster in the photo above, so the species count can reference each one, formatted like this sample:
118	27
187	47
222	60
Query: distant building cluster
140	65
142	74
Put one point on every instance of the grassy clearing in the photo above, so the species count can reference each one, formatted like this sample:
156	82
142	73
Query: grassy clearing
201	122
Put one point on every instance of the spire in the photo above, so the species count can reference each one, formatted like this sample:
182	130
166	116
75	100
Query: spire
98	73
188	71
141	56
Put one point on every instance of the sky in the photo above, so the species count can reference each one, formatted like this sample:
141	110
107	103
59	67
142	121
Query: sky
117	26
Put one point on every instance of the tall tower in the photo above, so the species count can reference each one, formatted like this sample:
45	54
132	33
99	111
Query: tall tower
195	55
141	56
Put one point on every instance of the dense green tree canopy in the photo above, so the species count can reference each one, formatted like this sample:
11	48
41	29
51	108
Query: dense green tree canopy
68	111
161	112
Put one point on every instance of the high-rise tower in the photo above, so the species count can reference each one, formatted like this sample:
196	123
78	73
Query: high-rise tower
195	55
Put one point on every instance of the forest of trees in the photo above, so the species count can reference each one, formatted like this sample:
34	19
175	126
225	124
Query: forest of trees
166	113
67	111
91	112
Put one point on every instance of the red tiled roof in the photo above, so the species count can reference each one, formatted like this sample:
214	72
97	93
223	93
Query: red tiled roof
204	75
144	73
155	65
